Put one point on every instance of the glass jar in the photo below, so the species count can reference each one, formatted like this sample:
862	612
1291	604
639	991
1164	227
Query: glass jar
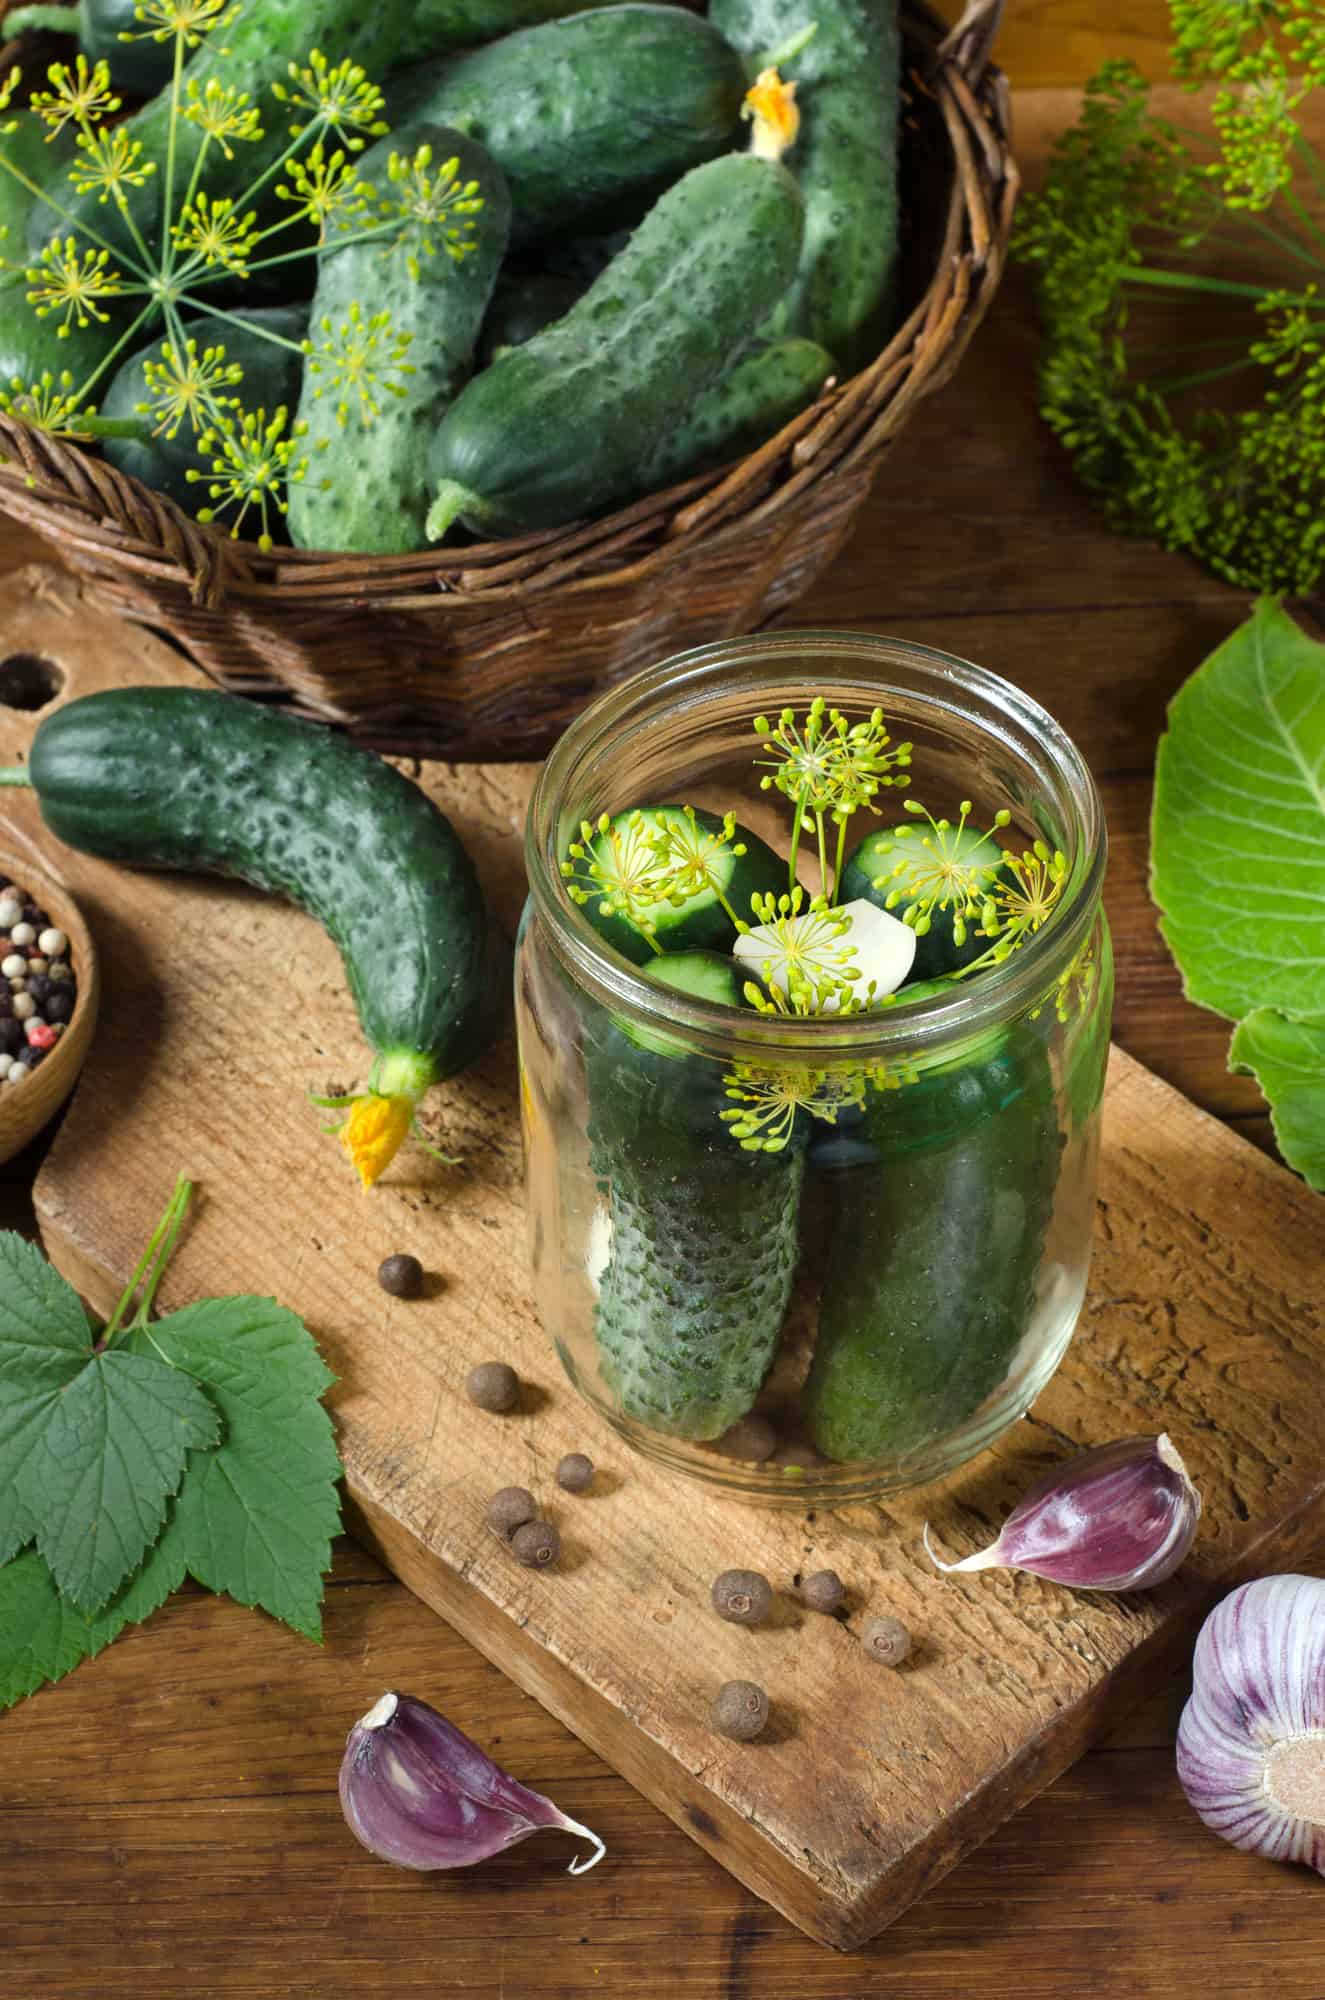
876	1300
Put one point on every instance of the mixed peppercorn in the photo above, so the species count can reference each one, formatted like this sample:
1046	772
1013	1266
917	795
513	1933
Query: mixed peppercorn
38	989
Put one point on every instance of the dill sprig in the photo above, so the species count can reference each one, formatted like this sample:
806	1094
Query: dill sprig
1224	455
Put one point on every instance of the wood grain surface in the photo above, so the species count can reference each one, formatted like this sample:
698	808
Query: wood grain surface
167	1823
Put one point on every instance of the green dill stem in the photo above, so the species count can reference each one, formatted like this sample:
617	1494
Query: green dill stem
169	246
214	311
84	388
75	223
168	179
1181	281
796	837
823	850
388	229
1311	159
166	1226
1303	215
653	943
1182	382
310	134
841	857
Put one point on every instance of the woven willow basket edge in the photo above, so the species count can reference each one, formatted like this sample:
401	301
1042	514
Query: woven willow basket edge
488	651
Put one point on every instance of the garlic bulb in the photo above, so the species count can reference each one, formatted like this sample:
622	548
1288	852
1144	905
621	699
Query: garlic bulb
416	1791
1121	1517
1251	1743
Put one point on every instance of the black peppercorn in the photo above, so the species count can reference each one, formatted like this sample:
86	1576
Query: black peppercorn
575	1472
742	1596
510	1509
536	1544
886	1640
824	1591
39	986
58	1005
493	1386
740	1710
12	1038
401	1275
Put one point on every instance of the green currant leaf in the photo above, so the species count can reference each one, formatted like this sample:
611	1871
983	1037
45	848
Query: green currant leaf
43	1635
1238	831
255	1518
44	1340
1287	1059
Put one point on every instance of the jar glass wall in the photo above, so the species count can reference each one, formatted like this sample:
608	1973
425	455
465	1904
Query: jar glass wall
872	1300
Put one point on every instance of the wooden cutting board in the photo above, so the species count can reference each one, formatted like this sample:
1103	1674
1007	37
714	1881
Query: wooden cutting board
1205	1318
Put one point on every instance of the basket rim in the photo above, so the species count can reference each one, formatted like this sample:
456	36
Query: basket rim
81	502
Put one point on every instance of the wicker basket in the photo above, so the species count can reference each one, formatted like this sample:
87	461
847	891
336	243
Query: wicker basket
487	651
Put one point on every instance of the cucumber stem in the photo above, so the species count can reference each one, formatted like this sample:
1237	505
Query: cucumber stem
58	20
782	52
452	499
403	1073
15	774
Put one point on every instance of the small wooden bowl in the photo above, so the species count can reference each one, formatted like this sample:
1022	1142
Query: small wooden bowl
25	1107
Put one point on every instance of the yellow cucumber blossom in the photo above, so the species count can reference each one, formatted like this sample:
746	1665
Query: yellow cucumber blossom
770	105
374	1132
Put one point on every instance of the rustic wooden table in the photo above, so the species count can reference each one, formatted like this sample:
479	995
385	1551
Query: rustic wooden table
168	1817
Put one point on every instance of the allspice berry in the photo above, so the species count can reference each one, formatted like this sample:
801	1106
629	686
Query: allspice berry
510	1509
751	1441
401	1275
493	1386
740	1710
885	1640
824	1591
575	1472
536	1544
742	1596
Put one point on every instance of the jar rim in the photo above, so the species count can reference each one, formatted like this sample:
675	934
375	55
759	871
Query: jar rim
947	682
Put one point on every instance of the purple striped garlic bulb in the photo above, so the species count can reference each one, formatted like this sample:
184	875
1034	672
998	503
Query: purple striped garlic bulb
1251	1743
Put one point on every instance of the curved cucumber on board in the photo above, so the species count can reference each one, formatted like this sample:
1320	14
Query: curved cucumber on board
649	335
179	778
367	489
272	375
845	161
253	52
585	112
930	1274
703	1242
743	409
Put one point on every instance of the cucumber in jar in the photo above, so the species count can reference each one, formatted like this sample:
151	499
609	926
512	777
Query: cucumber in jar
611	871
703	1240
938	1232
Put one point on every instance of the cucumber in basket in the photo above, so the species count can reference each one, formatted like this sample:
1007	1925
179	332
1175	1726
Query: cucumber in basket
752	399
703	1236
181	778
367	488
585	112
846	162
102	29
937	1238
272	374
31	347
568	424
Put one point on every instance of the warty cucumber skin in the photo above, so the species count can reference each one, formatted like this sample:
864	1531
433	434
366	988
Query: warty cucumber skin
845	159
745	406
704	1241
937	949
439	26
930	1272
699	923
583	111
272	375
250	55
367	490
650	334
30	347
182	778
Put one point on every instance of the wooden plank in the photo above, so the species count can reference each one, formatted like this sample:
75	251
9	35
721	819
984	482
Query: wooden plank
872	1785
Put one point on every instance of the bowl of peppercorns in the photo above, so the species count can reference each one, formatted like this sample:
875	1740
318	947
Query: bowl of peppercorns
48	999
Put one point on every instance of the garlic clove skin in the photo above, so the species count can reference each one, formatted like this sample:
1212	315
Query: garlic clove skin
1251	1743
417	1792
1121	1517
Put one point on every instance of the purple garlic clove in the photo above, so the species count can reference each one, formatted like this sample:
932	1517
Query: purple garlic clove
1121	1517
417	1792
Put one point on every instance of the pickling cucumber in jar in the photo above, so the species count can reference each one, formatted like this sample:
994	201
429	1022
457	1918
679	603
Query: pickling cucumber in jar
612	872
938	1231
699	1237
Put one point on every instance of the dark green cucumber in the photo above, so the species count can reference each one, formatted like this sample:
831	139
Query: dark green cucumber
367	488
523	306
583	113
930	1271
272	375
31	347
845	160
703	1239
699	923
141	65
249	55
437	27
647	338
893	873
177	778
741	410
